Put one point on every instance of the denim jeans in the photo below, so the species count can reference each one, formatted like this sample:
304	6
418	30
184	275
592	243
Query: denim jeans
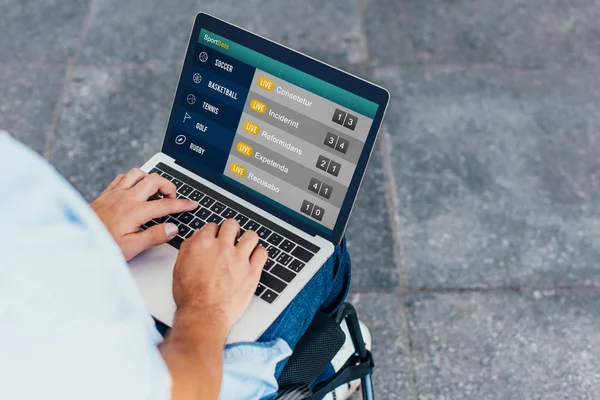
326	291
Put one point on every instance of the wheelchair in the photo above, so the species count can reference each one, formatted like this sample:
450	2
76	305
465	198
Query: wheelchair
313	353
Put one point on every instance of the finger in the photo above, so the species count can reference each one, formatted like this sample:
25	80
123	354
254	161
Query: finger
153	183
131	178
135	243
209	230
229	231
163	207
247	243
115	181
258	259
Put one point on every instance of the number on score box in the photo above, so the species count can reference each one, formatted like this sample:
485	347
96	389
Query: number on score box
329	166
320	188
336	143
312	210
346	119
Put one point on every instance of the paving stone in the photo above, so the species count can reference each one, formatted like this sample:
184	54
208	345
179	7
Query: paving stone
516	33
40	30
327	30
369	233
497	176
138	30
383	314
28	98
141	31
113	119
540	345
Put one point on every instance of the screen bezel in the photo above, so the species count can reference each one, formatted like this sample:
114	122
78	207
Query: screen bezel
311	66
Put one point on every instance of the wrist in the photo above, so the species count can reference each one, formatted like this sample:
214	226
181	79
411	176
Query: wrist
201	324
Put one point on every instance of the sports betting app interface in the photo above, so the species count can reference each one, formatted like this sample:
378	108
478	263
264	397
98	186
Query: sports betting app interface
271	129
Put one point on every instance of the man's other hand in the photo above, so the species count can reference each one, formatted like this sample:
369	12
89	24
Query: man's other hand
123	207
215	277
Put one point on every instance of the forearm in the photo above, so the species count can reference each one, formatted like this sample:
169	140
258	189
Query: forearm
193	352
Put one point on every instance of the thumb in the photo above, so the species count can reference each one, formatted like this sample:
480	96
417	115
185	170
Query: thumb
156	235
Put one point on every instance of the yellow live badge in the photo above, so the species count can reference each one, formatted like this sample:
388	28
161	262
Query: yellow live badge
265	83
251	128
244	148
238	169
258	106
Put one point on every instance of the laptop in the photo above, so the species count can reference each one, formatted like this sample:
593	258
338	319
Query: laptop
268	136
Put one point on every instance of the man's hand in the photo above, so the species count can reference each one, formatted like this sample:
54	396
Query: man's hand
215	276
213	282
124	206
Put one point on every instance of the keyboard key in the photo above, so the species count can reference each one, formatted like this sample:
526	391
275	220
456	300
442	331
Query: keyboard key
287	245
176	241
228	213
155	171
203	213
283	273
167	176
296	265
269	296
269	264
284	259
252	226
275	239
172	220
196	196
242	219
150	224
177	183
190	233
263	232
242	231
207	201
215	218
186	217
259	289
184	230
161	220
271	282
302	253
218	207
197	223
185	190
263	243
273	251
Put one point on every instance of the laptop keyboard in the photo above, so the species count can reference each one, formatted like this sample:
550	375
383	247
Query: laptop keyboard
288	253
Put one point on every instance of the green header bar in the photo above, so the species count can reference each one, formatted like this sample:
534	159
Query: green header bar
292	75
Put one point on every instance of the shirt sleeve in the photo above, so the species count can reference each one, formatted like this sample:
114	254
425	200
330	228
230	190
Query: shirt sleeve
73	323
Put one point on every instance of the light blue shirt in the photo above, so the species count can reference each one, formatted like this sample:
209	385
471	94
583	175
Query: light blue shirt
72	323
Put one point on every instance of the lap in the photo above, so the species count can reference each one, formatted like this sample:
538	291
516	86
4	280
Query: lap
326	291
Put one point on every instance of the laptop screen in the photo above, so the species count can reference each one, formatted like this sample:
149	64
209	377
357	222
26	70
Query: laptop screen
277	134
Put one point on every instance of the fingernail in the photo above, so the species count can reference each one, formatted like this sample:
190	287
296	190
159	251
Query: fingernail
171	230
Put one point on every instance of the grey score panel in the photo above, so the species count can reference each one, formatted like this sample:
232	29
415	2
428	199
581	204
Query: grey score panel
296	175
308	129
